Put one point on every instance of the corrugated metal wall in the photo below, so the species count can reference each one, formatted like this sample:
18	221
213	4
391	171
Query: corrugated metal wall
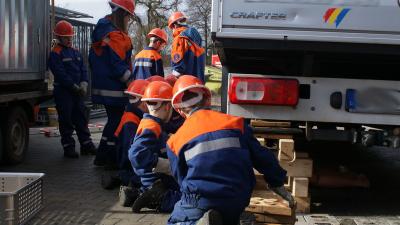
23	24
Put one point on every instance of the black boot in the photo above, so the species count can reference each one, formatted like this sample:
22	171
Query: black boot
69	152
151	198
247	218
211	217
88	149
110	179
98	162
127	196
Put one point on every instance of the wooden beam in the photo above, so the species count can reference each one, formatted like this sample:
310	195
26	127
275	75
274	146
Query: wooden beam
275	219
273	206
303	204
300	187
298	168
286	150
274	136
263	123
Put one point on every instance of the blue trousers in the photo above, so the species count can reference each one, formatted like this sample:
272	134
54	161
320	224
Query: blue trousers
187	211
71	116
173	194
106	151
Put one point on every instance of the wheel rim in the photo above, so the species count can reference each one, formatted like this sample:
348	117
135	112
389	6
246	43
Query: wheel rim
18	138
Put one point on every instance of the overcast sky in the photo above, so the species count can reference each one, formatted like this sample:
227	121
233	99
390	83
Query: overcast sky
95	8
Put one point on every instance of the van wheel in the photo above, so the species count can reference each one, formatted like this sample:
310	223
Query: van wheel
16	135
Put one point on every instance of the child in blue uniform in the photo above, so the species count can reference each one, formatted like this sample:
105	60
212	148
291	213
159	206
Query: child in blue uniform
70	86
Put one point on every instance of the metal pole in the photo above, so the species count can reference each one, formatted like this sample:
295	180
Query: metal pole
53	18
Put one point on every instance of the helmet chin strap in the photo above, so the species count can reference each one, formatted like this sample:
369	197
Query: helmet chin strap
154	107
190	102
134	100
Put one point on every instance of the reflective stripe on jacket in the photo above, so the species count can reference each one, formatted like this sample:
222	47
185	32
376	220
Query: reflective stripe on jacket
110	62
147	63
213	154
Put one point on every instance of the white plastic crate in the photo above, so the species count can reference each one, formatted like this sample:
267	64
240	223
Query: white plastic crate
21	197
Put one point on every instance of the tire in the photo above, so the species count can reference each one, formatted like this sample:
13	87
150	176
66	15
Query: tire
16	135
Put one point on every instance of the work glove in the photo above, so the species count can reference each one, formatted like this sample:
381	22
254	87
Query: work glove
76	89
126	77
281	191
163	166
83	88
176	73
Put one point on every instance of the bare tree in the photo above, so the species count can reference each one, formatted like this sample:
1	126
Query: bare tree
155	14
199	13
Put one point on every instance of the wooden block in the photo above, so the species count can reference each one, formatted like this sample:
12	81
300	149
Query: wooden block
286	150
264	194
303	204
263	123
289	184
275	219
298	168
274	136
269	206
300	187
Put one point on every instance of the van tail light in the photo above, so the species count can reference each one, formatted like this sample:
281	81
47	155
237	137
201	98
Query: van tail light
264	91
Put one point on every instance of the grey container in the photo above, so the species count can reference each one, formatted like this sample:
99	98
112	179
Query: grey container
21	197
24	39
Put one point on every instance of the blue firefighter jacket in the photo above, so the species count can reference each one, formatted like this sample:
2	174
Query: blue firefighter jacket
187	55
67	66
148	62
148	145
212	156
110	62
126	132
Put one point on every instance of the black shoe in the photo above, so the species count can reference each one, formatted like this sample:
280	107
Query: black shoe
110	180
247	218
88	149
151	198
211	217
69	152
127	196
98	162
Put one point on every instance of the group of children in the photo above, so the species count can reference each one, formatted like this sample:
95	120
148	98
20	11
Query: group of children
201	172
141	144
173	153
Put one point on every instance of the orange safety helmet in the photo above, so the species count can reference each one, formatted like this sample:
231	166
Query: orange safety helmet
155	78
137	87
127	5
157	91
157	32
64	29
176	16
171	79
194	84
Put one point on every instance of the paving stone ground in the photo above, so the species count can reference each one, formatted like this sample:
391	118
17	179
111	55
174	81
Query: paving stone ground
72	192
